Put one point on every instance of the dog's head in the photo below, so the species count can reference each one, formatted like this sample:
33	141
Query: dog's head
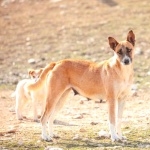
124	50
34	74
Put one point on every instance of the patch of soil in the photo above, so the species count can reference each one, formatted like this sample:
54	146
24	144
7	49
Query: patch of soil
78	112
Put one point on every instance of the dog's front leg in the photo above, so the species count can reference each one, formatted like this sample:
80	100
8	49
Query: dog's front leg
120	106
112	111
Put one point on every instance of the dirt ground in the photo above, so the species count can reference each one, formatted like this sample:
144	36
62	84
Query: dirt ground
34	33
77	117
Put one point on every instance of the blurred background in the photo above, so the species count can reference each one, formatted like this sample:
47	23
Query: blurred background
34	33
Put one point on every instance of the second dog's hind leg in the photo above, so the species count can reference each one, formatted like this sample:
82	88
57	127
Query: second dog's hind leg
20	103
35	113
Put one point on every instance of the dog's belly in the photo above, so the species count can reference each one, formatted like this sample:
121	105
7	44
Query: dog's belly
90	93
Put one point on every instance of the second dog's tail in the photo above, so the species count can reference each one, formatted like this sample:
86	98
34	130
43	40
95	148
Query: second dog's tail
42	77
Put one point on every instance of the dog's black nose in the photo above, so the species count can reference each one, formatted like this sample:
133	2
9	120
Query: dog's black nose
126	61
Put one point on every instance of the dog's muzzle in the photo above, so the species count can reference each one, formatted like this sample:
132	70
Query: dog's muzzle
126	60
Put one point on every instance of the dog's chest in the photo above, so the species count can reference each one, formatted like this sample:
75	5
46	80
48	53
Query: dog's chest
124	78
122	85
123	88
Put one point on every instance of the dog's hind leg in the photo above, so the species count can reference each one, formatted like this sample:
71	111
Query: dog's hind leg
48	113
49	109
58	107
35	108
35	113
20	103
57	86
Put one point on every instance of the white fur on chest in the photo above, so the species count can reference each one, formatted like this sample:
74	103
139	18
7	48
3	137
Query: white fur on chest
122	89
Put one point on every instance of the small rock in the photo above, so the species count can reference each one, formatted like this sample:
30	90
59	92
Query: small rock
78	117
76	137
140	102
81	102
85	139
95	144
103	134
134	93
94	123
12	130
147	146
134	87
38	141
7	135
28	39
82	130
31	61
100	101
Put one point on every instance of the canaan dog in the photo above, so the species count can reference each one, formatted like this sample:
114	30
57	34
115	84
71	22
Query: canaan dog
23	96
110	79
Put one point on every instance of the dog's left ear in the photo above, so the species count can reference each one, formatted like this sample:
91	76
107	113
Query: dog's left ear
112	42
131	37
40	71
30	72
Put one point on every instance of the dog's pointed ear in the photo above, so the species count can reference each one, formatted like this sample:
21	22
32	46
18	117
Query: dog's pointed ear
41	70
30	72
112	42
131	37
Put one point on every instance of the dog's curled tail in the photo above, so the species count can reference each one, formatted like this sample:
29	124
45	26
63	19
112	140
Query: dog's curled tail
42	77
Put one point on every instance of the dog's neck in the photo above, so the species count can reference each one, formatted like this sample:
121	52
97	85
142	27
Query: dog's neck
124	71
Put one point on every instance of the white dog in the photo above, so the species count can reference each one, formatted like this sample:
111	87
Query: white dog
23	95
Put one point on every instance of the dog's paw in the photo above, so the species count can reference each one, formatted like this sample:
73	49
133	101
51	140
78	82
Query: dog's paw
123	139
56	136
47	138
117	138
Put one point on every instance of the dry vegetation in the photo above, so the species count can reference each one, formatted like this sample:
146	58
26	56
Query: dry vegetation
50	30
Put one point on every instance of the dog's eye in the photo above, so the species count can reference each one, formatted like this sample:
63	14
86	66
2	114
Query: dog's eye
128	50
120	52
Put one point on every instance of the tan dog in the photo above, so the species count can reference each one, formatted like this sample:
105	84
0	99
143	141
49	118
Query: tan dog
110	80
23	95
